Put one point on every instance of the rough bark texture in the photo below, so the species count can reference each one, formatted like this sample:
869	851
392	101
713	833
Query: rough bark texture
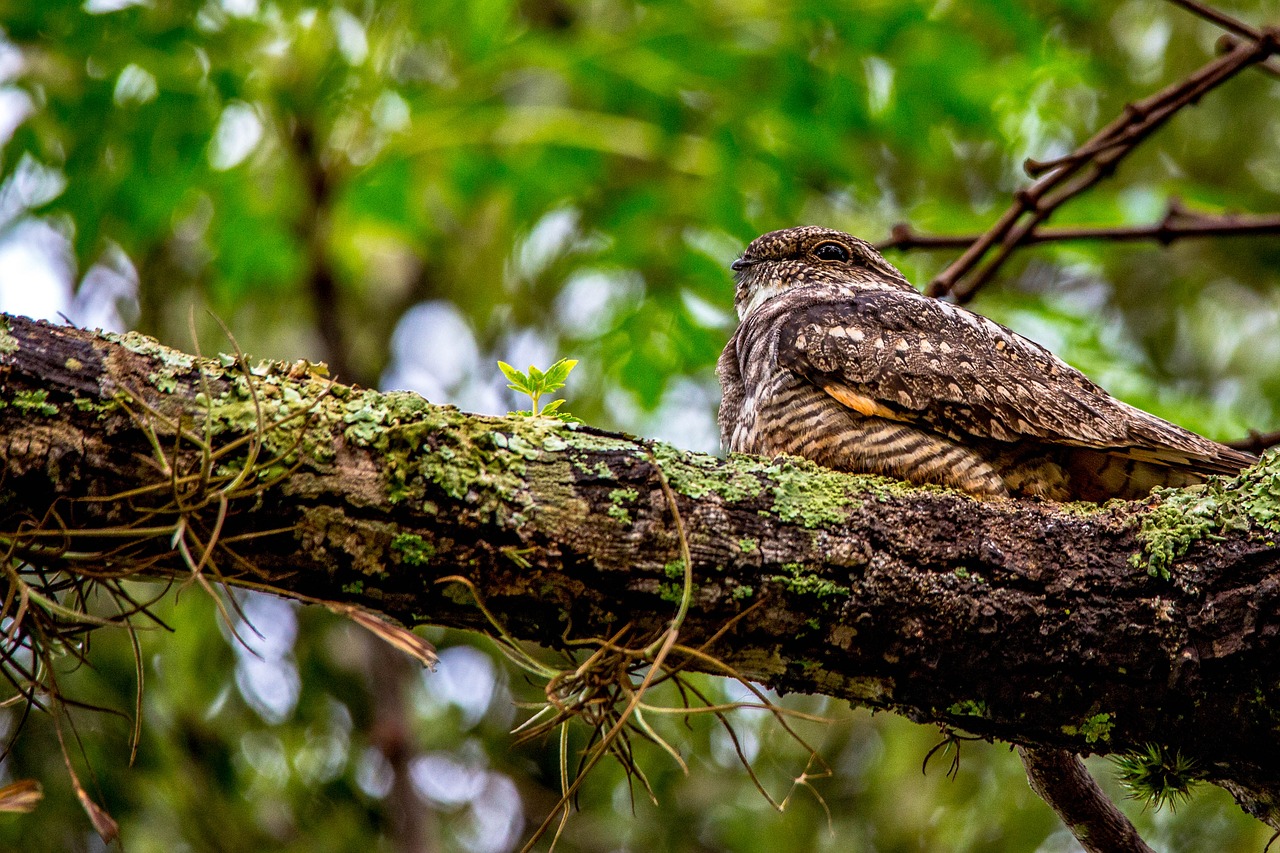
1034	623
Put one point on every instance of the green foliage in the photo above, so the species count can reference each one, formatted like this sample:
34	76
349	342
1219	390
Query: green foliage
536	383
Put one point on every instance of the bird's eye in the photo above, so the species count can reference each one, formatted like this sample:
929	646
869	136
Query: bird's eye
830	251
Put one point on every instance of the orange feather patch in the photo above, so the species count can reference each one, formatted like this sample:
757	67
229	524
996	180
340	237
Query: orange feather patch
860	404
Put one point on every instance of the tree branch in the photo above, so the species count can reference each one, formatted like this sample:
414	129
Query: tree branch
1029	622
1061	779
1064	178
1228	42
1222	19
1176	225
1256	442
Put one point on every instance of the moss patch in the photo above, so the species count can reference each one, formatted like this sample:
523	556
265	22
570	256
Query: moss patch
1094	729
34	403
413	549
800	582
1183	517
969	708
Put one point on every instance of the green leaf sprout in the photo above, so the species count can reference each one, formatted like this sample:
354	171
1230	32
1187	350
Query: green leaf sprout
537	383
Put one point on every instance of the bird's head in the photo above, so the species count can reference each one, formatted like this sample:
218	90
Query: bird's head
808	255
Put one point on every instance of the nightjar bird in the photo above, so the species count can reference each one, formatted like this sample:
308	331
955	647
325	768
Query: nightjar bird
840	360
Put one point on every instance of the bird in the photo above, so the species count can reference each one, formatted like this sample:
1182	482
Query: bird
838	359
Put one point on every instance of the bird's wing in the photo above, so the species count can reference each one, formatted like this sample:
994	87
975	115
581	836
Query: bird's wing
906	357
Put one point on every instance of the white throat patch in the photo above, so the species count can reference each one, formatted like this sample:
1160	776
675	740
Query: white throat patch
762	294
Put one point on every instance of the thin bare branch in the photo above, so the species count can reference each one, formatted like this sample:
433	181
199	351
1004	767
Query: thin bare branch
1227	42
1222	19
1175	226
1256	442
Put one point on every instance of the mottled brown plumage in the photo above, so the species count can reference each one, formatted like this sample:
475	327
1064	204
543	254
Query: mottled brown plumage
839	360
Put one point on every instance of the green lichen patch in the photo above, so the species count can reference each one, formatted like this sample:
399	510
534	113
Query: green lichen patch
482	461
576	438
413	549
1086	509
276	408
365	415
672	592
513	465
1094	729
808	494
802	492
150	347
697	475
617	498
747	545
796	580
1182	517
163	382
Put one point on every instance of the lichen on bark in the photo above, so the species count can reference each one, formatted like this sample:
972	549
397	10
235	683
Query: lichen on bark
1248	504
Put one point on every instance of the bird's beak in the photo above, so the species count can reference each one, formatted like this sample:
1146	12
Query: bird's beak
741	264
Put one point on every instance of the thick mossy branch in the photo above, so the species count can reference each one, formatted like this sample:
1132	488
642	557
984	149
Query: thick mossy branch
1035	623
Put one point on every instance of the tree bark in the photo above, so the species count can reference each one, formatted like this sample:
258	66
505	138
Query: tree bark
1034	623
1062	781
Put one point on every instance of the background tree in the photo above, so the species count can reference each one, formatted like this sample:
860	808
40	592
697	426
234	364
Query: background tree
412	191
